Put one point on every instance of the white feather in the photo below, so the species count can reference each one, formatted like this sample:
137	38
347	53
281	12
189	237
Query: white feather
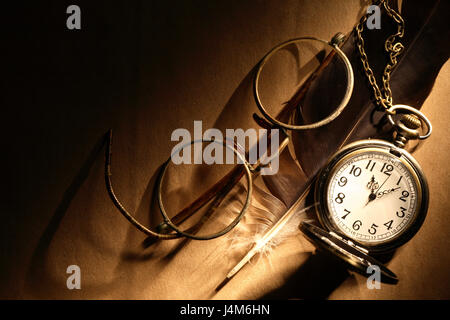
263	214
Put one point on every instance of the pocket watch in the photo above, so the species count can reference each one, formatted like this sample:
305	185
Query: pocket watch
372	196
374	193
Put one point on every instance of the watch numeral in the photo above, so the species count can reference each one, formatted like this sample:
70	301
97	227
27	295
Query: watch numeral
342	181
371	167
398	182
402	212
373	229
405	194
340	198
357	224
345	215
356	171
387	169
389	224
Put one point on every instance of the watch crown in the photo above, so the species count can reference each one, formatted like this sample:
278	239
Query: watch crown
411	121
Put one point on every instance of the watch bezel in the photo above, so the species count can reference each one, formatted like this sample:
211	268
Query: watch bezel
324	178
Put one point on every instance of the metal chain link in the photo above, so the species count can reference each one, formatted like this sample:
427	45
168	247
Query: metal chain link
383	97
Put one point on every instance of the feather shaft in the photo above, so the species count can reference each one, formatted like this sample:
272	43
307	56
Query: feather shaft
273	231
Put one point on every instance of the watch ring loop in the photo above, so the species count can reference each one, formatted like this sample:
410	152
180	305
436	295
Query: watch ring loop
420	115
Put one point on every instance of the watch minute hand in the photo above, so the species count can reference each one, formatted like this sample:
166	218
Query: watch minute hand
382	193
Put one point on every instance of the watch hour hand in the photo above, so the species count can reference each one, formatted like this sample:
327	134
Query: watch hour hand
372	185
372	196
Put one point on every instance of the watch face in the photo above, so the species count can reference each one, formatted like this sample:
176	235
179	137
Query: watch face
373	196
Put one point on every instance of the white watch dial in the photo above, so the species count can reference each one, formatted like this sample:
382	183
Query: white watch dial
372	197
